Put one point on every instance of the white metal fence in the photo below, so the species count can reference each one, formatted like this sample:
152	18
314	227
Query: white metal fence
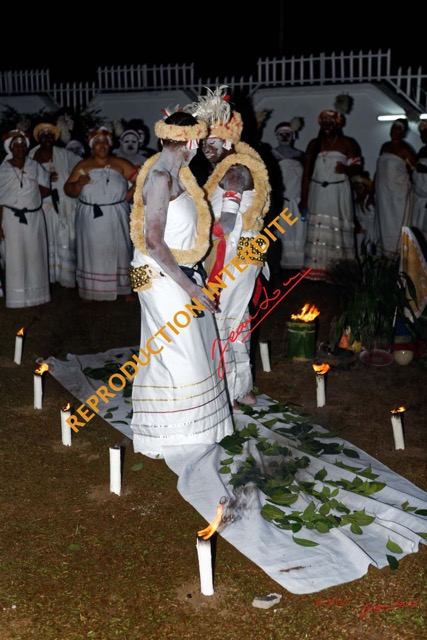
271	72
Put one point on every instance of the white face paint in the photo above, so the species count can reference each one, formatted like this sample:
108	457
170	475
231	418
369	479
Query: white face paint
129	144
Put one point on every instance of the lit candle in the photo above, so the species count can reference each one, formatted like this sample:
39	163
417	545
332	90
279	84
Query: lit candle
38	385
19	340
396	423
115	469
65	427
321	370
265	356
204	554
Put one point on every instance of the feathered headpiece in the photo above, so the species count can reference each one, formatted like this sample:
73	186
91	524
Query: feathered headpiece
65	125
214	109
342	106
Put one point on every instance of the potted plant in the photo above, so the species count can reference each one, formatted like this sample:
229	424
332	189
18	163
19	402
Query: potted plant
373	294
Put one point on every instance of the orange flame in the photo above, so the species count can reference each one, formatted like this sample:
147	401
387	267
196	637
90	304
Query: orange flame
41	369
20	332
398	410
210	529
307	313
67	407
321	369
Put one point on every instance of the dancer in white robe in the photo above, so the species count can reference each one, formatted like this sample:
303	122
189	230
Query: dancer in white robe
103	245
393	189
59	209
326	199
178	395
239	194
22	225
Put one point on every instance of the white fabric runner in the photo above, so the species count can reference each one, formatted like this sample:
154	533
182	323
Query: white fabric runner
399	508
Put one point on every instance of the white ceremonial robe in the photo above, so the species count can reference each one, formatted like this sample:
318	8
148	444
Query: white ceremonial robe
294	238
330	232
233	304
178	397
103	244
61	233
419	212
393	197
25	244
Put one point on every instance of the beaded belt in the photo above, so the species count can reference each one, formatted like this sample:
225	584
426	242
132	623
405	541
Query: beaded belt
247	251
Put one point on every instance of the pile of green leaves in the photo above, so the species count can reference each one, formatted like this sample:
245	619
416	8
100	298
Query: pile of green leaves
278	478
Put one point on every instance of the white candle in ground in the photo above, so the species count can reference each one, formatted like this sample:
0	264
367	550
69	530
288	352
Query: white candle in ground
396	423
115	470
65	427
320	386
38	391
265	356
204	553
19	340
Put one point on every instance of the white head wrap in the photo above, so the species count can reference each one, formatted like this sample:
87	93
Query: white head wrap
15	133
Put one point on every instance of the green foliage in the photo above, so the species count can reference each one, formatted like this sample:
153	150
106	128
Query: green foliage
373	291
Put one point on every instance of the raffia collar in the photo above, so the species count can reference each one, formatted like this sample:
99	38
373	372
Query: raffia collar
204	221
247	156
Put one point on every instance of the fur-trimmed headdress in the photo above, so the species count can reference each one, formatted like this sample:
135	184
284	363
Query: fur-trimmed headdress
214	109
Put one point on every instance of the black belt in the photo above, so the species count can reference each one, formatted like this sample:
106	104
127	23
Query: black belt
20	213
97	211
190	271
325	184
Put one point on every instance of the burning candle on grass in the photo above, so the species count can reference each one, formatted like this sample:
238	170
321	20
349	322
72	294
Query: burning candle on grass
19	341
397	424
204	552
321	370
65	427
38	385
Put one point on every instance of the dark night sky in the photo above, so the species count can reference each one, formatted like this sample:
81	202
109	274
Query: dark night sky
220	45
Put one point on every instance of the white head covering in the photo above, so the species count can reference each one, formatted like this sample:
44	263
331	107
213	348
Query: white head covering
15	133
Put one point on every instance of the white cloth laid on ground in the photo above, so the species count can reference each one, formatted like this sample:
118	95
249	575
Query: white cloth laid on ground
330	232
25	243
103	244
397	508
393	198
178	396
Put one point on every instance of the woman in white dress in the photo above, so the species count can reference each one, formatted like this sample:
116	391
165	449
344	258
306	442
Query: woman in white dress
23	184
393	188
104	186
178	396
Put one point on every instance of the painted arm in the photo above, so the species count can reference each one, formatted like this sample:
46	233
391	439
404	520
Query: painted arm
156	195
236	180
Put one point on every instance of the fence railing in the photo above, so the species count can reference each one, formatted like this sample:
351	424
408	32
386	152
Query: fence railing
271	72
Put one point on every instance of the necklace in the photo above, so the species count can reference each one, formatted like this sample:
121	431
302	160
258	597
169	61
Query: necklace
20	177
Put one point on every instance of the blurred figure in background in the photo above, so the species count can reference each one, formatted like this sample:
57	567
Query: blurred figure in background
364	211
59	209
419	180
393	188
291	162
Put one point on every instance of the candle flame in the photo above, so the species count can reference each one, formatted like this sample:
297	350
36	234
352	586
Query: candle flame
398	410
321	369
41	369
307	313
20	332
210	529
67	407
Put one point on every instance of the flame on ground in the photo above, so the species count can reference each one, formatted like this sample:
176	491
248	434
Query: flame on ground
307	313
398	410
67	407
210	529
41	369
20	332
321	369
